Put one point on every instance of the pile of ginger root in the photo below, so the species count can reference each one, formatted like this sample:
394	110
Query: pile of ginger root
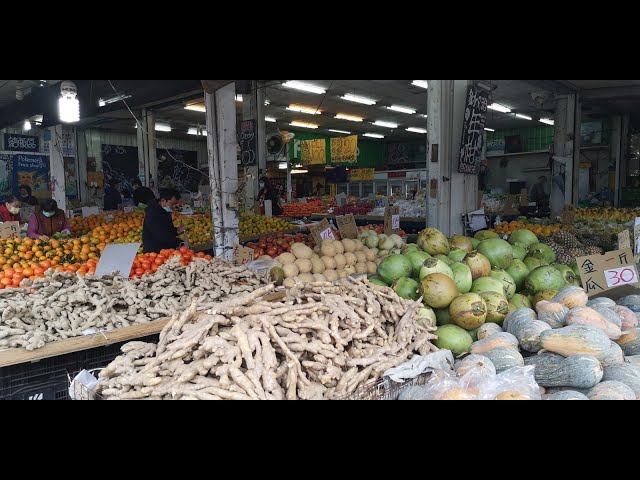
322	341
63	305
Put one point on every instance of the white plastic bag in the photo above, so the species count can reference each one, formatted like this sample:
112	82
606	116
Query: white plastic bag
83	386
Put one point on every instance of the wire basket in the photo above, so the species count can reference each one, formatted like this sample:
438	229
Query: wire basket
386	389
80	391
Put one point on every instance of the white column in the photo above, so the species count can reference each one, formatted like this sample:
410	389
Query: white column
250	111
82	151
151	148
566	140
223	169
143	159
56	165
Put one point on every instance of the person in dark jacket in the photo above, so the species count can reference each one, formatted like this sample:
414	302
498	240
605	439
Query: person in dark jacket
112	197
268	192
48	221
142	194
158	231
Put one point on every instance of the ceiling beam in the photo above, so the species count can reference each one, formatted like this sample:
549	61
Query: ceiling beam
609	93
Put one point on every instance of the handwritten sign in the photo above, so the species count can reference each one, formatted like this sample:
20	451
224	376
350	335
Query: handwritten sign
15	142
25	213
624	239
344	149
327	234
87	211
247	141
318	229
117	259
475	119
389	213
362	174
242	255
636	239
313	152
10	230
347	226
600	273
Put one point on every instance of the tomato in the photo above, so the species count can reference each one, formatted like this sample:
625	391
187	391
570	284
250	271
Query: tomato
158	261
154	268
8	273
16	282
184	249
5	281
146	265
139	271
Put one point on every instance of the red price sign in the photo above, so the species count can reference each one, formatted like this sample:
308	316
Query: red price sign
327	234
621	276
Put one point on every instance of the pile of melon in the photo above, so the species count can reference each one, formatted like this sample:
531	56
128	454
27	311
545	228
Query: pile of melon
332	260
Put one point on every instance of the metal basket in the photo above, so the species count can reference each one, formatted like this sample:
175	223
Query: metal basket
386	389
80	391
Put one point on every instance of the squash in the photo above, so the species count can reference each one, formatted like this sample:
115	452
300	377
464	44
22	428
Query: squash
625	373
474	362
527	332
611	390
552	370
487	329
519	315
504	358
512	395
613	356
567	395
553	390
571	297
633	360
628	317
630	342
575	339
609	315
600	302
500	339
455	393
632	302
588	316
552	313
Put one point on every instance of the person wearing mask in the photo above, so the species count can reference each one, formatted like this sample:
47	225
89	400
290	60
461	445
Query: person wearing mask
112	197
142	194
267	192
25	196
10	209
158	231
48	221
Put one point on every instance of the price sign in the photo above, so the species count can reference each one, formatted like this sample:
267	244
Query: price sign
391	220
395	222
242	255
621	276
624	240
327	234
600	273
318	230
10	230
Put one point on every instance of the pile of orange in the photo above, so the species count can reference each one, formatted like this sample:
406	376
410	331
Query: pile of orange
150	262
507	228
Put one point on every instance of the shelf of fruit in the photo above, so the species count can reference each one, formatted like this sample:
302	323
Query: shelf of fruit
379	229
299	209
539	229
254	225
370	218
274	245
610	215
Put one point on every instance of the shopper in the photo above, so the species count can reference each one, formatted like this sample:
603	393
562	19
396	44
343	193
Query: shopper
112	196
10	209
127	199
537	193
319	190
26	197
48	221
268	192
142	194
158	232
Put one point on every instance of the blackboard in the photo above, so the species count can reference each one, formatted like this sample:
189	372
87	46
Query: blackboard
120	163
247	142
14	142
178	169
475	119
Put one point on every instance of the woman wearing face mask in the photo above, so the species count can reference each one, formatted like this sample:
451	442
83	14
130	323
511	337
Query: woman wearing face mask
158	232
48	221
267	192
10	210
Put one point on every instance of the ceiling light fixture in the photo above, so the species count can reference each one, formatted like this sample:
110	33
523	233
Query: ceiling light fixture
68	104
305	87
358	99
398	108
303	124
499	108
417	130
267	102
197	131
524	117
420	83
196	107
380	123
304	109
27	126
339	131
160	127
547	121
293	172
351	118
282	166
489	129
373	135
238	98
106	101
269	119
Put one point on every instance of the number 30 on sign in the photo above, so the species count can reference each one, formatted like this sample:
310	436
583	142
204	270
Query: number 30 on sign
621	276
327	234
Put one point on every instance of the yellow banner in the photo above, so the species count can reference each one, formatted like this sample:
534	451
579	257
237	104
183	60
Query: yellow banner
313	152
362	174
344	149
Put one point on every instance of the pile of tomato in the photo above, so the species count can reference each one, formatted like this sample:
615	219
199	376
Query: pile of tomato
147	263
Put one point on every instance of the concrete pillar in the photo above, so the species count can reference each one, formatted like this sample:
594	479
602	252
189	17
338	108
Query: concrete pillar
56	165
566	142
450	193
151	150
82	152
223	168
250	111
143	158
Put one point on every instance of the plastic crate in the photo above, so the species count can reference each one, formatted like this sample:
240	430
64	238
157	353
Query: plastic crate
48	379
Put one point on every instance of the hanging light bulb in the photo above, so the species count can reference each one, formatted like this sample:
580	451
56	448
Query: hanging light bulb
27	126
68	104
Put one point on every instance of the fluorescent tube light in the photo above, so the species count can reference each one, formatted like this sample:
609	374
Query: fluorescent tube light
303	124
27	126
304	109
160	127
351	118
489	129
269	119
380	123
305	87
238	98
548	121
417	130
106	101
398	108
196	107
525	117
373	135
358	99
420	83
339	131
499	108
194	131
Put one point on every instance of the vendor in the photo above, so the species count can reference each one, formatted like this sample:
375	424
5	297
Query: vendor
48	221
268	192
319	190
112	196
158	231
538	193
142	194
25	196
10	209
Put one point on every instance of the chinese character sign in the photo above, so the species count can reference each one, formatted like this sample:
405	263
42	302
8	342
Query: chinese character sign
600	273
475	119
344	149
14	142
313	152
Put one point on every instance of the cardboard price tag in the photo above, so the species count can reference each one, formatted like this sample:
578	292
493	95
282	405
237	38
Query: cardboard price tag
10	230
317	230
600	273
624	239
347	226
327	234
389	213
117	259
242	255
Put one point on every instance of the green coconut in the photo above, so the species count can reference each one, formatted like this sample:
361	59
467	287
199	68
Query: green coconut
394	267
497	306
417	259
506	279
519	272
406	288
519	252
474	242
543	278
457	254
442	316
426	317
409	247
462	277
461	243
438	290
520	301
567	273
454	338
487	284
433	241
468	311
533	262
444	258
484	235
523	236
540	250
498	251
377	281
543	295
434	265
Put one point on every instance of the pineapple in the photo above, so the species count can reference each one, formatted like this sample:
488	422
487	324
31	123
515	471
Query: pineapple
566	239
